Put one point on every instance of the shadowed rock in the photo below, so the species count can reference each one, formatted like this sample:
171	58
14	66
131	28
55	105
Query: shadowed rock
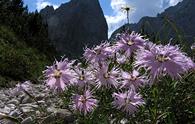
74	25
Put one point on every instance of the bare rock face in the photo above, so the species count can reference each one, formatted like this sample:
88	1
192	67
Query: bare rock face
74	25
42	106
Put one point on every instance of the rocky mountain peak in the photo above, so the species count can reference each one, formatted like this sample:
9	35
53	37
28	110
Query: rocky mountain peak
74	25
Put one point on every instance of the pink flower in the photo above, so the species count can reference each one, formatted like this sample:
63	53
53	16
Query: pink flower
162	60
107	78
85	103
82	76
129	43
127	102
59	75
99	53
132	79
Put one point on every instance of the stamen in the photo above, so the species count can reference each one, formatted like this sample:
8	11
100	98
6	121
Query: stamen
162	58
130	42
81	77
83	99
133	78
107	75
57	73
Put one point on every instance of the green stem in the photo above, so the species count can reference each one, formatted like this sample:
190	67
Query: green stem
155	105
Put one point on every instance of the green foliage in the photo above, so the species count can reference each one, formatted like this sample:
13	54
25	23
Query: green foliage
24	44
28	27
13	14
17	60
168	102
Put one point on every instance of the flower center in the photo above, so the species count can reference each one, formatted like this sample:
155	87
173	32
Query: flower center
81	78
162	58
83	99
132	78
57	73
127	101
107	75
98	52
130	42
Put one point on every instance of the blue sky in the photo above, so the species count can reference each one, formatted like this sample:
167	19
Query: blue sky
112	9
32	4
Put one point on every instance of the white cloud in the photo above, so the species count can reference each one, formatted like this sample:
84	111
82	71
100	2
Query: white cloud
117	19
141	8
174	2
42	4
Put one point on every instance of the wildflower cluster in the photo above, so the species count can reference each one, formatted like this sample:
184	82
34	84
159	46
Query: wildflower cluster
114	72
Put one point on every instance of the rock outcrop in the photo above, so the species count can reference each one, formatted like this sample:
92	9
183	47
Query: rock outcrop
176	22
32	104
74	25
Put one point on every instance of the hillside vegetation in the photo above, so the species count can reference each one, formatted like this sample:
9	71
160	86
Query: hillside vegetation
24	44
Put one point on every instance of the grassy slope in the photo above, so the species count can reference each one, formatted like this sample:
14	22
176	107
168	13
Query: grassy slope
18	62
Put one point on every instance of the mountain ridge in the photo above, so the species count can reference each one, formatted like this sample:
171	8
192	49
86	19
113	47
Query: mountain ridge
175	23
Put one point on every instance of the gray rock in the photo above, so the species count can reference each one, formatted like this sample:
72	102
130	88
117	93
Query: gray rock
8	122
15	113
5	110
61	115
65	115
27	120
13	101
7	92
41	102
51	110
2	105
27	99
27	109
11	106
29	105
74	25
40	97
4	97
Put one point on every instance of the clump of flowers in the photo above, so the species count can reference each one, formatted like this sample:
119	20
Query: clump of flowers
115	75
